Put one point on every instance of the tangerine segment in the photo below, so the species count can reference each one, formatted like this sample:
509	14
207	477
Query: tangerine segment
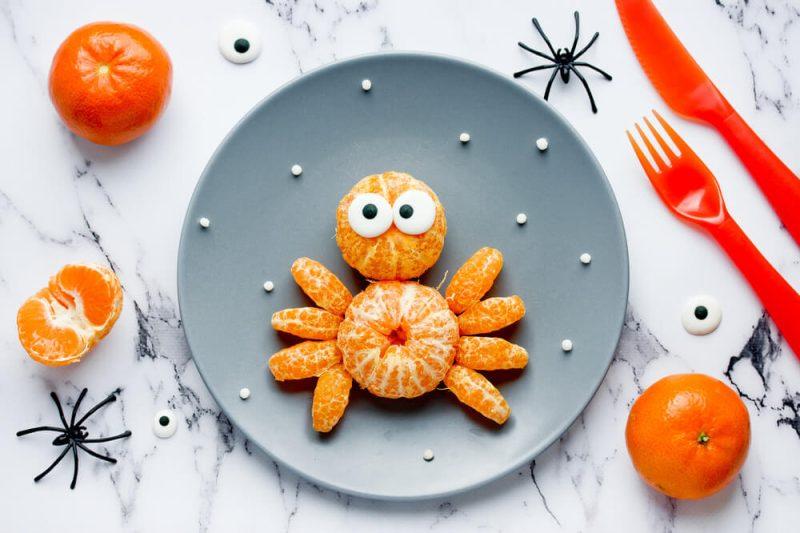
307	323
474	279
331	396
361	347
93	290
321	285
403	372
48	332
475	390
490	353
304	360
491	314
394	255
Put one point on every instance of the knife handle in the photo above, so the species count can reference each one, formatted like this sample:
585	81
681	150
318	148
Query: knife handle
780	300
779	184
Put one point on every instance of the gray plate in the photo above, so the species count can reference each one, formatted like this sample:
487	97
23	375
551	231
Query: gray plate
262	218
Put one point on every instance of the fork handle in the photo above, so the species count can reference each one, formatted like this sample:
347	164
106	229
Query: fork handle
778	183
780	300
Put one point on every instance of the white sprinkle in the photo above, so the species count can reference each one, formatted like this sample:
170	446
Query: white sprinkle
366	85
542	144
244	393
586	258
464	138
297	170
268	286
428	455
566	345
204	222
522	218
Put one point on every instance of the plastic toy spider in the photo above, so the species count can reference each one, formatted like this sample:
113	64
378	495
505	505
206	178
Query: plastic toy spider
563	60
74	435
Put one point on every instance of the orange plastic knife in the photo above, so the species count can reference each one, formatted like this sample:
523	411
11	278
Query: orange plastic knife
689	92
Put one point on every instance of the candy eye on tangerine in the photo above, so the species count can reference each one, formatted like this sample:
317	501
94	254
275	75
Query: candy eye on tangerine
414	212
370	215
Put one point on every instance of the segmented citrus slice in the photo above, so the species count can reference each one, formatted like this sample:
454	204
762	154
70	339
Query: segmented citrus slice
491	314
490	353
304	360
331	396
321	285
307	323
62	322
474	279
475	390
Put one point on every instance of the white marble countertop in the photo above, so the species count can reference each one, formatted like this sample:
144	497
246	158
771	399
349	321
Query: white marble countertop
64	200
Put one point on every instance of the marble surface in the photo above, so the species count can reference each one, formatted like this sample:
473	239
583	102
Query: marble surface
64	200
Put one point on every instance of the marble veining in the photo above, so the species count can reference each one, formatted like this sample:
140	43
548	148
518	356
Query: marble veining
63	200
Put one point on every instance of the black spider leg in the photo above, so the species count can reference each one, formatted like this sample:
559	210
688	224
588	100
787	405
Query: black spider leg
577	34
110	398
107	439
605	74
527	70
550	84
77	405
586	86
588	45
39	428
536	52
75	466
94	453
60	410
541	32
53	465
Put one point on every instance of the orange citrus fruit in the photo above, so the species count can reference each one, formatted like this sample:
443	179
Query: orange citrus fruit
398	339
490	353
474	279
491	314
393	255
62	322
476	391
110	82
331	396
321	285
307	323
305	360
688	435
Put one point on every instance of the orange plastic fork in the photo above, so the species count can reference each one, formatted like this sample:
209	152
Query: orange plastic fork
691	192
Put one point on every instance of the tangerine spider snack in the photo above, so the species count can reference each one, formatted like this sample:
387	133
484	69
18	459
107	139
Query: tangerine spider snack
397	338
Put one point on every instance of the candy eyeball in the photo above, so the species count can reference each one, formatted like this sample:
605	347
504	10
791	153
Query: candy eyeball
165	423
369	215
701	315
414	212
239	41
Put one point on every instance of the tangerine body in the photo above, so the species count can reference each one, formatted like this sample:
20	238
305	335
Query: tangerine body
110	82
398	339
688	435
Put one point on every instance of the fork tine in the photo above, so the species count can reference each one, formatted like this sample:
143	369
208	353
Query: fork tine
669	152
652	149
679	142
648	168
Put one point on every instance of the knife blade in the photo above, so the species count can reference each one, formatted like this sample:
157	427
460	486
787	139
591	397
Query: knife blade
689	92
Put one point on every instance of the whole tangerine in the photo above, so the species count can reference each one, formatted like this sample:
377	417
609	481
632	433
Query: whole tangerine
688	435
110	82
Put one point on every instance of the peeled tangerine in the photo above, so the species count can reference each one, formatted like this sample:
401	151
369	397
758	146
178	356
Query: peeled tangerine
62	322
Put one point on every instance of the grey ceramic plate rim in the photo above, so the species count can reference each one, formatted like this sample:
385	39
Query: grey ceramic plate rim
559	430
